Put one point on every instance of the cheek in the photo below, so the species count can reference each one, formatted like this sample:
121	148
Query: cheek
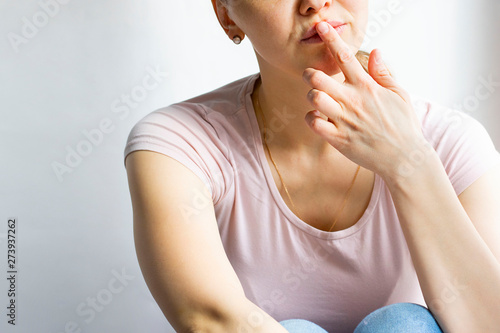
266	32
259	19
357	5
359	11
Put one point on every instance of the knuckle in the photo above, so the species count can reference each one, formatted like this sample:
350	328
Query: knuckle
316	78
308	73
355	101
384	71
330	40
345	55
342	140
354	124
316	124
371	87
315	97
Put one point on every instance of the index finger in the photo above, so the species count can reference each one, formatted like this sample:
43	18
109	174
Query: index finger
343	55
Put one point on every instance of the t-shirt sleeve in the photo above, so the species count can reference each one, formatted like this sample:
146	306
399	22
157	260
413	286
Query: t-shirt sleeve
184	134
461	141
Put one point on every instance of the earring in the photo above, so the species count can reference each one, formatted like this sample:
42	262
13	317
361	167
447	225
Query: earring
237	40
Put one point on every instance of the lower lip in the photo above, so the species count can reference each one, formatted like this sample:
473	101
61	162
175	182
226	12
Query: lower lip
317	39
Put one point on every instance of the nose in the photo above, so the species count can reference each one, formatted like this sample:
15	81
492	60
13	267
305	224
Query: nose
308	7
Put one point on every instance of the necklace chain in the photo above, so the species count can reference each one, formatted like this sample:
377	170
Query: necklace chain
281	178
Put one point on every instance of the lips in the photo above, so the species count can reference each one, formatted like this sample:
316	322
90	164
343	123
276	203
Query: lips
312	31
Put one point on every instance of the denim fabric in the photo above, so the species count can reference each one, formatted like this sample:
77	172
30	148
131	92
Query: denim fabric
301	326
399	317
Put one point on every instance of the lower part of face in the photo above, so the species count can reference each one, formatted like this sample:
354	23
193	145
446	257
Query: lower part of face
276	28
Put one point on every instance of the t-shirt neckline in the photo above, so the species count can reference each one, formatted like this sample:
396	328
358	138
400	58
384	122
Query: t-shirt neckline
291	217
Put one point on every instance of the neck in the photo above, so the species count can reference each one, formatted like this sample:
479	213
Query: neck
283	101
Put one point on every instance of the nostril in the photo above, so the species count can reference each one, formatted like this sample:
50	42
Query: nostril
318	8
314	6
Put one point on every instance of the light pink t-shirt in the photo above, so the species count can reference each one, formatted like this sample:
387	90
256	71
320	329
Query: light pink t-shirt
287	267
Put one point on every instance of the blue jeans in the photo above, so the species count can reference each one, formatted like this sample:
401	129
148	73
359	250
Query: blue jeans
399	317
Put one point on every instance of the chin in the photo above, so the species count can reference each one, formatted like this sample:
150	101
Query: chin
331	70
327	64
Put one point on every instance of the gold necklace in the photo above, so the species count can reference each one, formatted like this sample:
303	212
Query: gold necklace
279	174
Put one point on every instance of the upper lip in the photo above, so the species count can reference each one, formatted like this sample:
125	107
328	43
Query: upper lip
312	30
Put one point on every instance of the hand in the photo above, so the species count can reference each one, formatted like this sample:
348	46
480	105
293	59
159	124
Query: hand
371	119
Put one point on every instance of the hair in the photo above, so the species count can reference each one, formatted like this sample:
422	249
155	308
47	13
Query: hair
363	57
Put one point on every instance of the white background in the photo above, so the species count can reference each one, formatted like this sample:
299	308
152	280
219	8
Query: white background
71	73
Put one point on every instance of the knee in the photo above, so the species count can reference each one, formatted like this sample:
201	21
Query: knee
301	326
399	317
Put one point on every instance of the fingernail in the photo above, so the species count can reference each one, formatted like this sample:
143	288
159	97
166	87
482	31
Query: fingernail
378	60
323	27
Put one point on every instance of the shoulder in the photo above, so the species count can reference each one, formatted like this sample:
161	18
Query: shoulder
226	99
462	142
205	108
441	122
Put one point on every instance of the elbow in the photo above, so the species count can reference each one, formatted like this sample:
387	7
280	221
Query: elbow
211	322
233	318
206	320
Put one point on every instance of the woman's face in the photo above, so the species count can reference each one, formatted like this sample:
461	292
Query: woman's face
276	29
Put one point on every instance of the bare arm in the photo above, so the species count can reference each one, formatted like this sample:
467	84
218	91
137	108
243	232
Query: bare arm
371	121
181	255
455	252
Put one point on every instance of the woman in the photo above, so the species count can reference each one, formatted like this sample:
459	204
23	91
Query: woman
376	213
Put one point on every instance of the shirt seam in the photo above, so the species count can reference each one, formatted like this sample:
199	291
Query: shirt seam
228	188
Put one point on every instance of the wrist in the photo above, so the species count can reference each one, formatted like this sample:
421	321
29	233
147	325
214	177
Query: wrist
412	167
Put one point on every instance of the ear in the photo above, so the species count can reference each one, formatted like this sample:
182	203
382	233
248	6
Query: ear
225	21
